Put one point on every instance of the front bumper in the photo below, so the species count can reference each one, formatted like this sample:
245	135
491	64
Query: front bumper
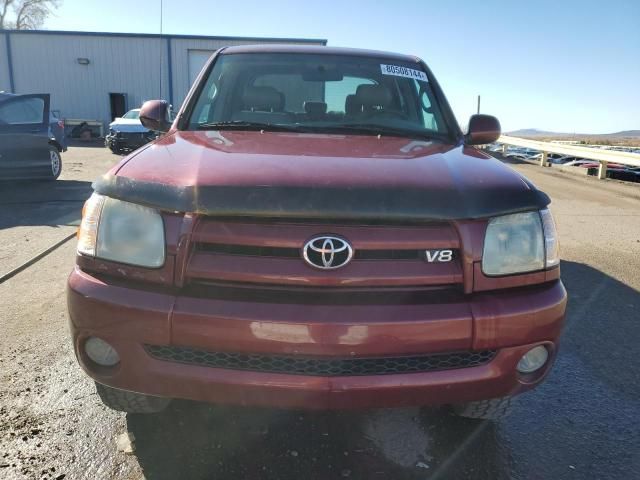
511	322
127	140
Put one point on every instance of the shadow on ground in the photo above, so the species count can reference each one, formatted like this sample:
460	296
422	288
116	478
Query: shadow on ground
603	327
25	203
582	422
201	441
93	143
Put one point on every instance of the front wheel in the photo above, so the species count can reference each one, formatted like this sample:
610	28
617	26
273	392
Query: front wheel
130	402
492	409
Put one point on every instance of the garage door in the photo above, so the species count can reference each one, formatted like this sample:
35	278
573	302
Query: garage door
197	59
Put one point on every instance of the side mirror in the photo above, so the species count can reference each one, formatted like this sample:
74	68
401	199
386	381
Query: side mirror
154	115
483	129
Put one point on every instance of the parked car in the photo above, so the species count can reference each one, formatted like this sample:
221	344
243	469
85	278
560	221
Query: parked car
56	128
127	133
315	231
558	159
580	162
628	174
29	146
614	170
521	153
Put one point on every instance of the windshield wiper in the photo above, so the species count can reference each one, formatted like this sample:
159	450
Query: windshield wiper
367	128
242	125
375	129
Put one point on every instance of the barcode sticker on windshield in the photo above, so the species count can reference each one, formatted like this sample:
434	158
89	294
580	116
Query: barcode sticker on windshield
403	72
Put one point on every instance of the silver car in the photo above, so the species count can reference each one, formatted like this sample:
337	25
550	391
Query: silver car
126	133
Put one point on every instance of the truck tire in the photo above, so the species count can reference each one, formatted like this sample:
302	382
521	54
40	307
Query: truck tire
492	409
130	402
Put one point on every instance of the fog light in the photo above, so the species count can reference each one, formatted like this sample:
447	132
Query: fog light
101	352
533	359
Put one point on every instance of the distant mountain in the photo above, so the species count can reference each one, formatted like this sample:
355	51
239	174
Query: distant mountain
626	133
534	132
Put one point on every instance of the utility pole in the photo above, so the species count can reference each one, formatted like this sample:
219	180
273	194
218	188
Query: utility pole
478	104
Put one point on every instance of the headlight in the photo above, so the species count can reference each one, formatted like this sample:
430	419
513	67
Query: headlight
513	244
122	232
520	243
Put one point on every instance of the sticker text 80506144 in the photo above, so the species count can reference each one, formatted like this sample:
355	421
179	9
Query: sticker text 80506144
403	72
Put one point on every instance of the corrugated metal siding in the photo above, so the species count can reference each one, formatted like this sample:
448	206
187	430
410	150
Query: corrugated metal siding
4	65
48	63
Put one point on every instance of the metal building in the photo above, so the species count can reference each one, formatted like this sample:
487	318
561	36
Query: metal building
97	76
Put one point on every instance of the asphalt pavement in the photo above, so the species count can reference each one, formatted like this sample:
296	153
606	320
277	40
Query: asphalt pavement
582	423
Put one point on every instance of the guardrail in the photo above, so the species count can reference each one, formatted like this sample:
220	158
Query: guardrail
603	157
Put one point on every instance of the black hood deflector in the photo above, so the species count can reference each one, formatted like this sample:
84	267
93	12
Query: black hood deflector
360	203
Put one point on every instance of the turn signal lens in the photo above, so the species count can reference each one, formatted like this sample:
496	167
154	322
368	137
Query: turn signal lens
88	232
550	238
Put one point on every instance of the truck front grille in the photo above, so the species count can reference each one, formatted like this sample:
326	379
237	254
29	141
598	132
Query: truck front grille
258	253
315	366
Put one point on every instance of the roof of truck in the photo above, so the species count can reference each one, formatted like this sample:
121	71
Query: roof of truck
318	50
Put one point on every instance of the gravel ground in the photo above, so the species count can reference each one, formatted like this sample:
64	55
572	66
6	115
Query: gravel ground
584	422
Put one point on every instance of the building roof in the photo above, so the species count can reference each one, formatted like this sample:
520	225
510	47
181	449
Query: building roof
318	49
163	35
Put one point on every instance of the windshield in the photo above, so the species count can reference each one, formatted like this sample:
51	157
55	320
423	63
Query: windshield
318	93
132	114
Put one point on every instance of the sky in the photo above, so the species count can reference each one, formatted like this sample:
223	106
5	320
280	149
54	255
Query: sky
564	65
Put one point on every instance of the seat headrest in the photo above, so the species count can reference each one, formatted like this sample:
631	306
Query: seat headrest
315	108
351	105
374	96
263	99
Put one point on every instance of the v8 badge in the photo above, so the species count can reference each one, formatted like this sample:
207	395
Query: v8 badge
440	256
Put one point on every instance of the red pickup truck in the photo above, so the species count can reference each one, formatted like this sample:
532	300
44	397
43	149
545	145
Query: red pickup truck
314	230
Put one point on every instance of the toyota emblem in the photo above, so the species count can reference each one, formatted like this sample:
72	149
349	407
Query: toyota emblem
327	252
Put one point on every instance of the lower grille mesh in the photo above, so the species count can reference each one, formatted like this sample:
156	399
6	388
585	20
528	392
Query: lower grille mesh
332	367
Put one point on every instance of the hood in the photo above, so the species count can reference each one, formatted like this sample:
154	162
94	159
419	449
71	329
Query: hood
278	174
127	125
